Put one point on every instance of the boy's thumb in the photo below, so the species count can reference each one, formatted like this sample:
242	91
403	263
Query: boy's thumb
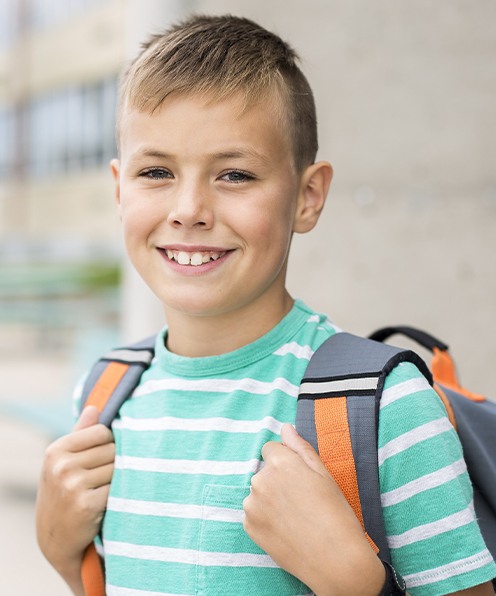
307	453
89	417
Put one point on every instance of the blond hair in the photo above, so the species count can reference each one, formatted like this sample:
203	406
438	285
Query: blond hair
219	56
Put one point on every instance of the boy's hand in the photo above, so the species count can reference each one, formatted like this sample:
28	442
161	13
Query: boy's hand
73	491
298	515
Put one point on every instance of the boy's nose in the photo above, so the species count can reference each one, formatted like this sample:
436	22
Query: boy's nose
191	209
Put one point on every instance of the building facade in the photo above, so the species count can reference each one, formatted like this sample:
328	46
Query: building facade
405	96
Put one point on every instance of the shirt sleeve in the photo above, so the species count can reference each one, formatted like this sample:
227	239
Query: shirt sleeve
426	493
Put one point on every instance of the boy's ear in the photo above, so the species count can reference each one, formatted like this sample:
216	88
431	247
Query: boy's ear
314	186
115	168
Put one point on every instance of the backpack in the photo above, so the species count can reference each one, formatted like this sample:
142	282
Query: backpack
341	390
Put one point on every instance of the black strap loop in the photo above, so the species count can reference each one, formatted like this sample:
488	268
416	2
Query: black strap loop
421	337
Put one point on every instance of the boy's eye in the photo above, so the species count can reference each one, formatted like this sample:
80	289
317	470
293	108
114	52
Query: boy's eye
236	176
156	174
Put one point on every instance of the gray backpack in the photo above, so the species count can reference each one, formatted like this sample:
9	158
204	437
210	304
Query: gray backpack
342	389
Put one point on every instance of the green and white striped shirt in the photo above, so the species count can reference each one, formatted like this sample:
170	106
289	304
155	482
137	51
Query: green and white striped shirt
190	439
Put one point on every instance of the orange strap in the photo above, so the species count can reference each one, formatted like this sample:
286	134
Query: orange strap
335	450
92	573
91	569
444	372
104	387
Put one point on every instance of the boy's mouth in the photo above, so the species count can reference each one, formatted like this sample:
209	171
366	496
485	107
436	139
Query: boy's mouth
193	259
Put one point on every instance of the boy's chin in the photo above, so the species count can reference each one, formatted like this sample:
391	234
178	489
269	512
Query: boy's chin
197	307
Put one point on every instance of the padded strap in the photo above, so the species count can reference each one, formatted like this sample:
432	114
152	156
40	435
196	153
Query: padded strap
347	374
336	452
115	376
111	381
92	573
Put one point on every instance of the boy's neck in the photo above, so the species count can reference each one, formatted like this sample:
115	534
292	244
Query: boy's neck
200	336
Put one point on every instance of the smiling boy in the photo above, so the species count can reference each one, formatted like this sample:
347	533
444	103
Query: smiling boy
234	198
216	172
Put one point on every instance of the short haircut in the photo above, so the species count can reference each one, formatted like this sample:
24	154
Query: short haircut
220	56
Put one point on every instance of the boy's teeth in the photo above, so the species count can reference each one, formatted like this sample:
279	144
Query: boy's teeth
183	258
194	259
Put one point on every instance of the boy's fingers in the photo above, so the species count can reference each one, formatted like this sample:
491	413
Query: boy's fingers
89	417
99	477
302	448
96	456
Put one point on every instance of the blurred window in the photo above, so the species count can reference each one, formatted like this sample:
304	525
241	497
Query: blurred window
17	15
47	13
75	127
9	21
109	99
7	142
72	129
92	126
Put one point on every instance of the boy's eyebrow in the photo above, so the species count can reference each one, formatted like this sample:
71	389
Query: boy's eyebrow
238	153
228	154
151	152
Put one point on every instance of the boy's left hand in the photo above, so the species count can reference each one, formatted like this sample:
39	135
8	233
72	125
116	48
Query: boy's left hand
297	514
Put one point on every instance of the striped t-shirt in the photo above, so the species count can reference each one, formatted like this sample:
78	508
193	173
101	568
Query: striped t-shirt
190	439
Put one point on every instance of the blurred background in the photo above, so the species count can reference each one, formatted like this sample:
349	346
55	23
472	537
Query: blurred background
406	97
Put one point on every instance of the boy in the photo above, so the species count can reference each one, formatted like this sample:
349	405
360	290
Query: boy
216	171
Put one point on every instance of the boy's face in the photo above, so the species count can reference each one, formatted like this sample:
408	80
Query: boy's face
207	194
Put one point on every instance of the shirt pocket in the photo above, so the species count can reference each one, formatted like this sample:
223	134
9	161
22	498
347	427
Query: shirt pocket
229	562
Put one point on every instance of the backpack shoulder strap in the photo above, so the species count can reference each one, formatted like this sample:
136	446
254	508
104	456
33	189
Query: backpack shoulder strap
337	414
110	382
114	377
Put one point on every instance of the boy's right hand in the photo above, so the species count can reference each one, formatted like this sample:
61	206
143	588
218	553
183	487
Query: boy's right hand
298	515
72	495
